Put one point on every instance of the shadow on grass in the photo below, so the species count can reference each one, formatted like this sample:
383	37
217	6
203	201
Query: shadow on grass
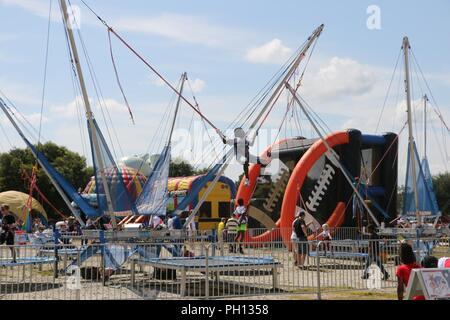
16	288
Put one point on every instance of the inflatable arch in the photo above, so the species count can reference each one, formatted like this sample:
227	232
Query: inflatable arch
311	180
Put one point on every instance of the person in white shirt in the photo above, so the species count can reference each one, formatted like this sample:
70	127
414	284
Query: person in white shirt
294	240
192	228
170	223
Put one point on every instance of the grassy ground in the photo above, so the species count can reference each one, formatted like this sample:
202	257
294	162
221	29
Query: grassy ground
385	294
351	295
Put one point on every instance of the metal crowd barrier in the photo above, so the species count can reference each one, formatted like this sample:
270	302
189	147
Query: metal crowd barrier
191	269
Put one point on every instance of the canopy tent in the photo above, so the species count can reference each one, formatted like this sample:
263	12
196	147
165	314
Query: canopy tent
17	202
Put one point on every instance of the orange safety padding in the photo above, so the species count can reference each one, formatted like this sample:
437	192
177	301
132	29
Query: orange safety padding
139	219
298	177
246	192
292	189
125	220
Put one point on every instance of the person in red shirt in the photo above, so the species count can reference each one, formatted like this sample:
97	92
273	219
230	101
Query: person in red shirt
408	262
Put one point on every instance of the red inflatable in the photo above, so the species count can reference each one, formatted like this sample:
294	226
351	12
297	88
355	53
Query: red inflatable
297	178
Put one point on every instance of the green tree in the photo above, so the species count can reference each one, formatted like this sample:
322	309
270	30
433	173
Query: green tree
441	185
181	168
18	163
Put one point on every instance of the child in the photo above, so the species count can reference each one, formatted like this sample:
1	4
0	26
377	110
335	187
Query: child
326	237
241	215
429	262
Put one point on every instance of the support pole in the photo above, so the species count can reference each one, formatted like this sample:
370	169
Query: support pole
425	100
89	114
412	154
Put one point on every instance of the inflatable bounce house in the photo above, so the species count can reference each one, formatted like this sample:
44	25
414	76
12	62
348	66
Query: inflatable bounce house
305	178
216	206
133	180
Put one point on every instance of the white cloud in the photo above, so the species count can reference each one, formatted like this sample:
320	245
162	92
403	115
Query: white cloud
157	81
184	28
22	95
37	7
69	110
180	27
341	77
198	85
271	52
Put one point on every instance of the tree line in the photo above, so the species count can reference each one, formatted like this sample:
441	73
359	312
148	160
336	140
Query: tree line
16	167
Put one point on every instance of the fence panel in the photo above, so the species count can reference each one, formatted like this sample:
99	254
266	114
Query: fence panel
199	268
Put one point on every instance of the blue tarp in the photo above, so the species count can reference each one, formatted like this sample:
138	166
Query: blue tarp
120	197
63	183
424	185
154	196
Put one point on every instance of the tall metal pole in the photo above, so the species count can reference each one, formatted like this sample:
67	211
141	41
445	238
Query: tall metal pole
226	159
406	47
425	100
183	80
287	77
89	114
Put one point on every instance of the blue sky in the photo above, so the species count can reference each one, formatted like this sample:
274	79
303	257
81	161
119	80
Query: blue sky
230	49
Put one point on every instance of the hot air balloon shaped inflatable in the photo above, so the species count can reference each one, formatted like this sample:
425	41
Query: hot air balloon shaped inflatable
133	181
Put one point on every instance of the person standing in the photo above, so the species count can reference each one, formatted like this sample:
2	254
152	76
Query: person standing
325	235
170	222
408	262
294	240
242	229
9	226
241	214
301	233
374	253
176	222
220	233
231	230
